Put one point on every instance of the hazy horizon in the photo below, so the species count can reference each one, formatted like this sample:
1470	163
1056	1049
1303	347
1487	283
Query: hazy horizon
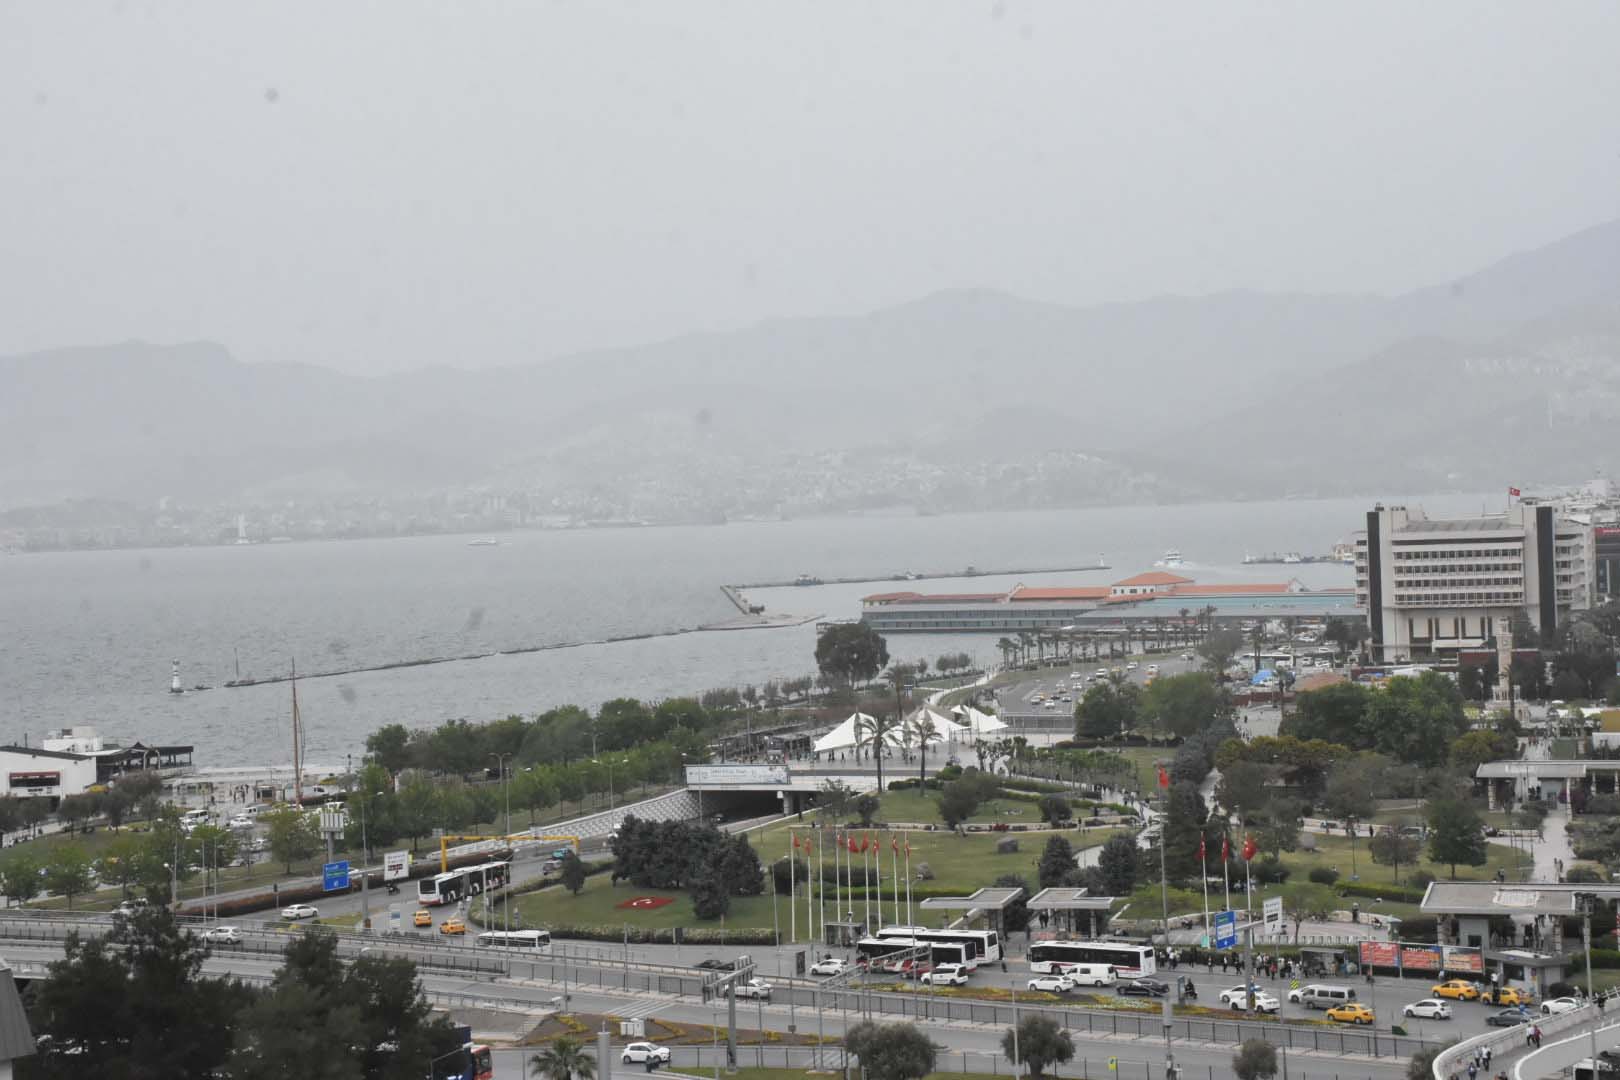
381	188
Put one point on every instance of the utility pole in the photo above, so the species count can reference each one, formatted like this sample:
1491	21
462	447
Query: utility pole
1164	905
1587	902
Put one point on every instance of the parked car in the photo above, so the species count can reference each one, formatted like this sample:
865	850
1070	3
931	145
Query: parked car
946	975
300	911
1351	1014
753	988
240	822
1143	987
830	965
1507	1018
645	1051
1558	1005
1052	984
453	925
228	935
1428	1009
1456	989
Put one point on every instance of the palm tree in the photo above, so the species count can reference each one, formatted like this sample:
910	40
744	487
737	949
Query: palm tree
1007	647
564	1059
923	730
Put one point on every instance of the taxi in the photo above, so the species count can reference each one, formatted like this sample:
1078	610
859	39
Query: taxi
423	917
1351	1013
1512	995
453	925
1457	989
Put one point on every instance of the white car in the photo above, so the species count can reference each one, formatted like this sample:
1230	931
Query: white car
1053	984
300	911
946	975
1559	1005
829	966
753	988
1429	1009
229	934
240	822
1263	1002
646	1051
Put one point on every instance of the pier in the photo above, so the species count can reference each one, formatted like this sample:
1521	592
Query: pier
971	571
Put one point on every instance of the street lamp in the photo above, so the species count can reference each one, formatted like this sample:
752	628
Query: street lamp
365	879
1588	901
506	904
609	762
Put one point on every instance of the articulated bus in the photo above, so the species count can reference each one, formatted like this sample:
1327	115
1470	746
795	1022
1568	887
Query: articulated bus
983	946
471	1062
873	951
516	940
468	881
1128	961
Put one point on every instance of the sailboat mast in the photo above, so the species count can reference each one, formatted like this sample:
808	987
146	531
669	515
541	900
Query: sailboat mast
297	742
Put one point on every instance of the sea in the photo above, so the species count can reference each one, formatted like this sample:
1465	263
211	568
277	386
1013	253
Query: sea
87	638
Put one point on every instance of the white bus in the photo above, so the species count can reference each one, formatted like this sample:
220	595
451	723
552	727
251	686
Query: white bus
983	946
1129	961
449	887
874	950
516	940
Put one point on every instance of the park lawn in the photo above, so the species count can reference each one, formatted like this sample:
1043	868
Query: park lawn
915	807
597	905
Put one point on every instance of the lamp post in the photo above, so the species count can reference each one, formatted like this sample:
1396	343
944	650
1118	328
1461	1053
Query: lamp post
1588	901
506	799
365	880
609	763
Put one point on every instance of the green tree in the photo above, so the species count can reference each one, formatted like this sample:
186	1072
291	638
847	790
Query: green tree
19	875
68	872
1120	862
75	810
1057	862
573	873
1015	916
866	806
960	799
1420	1066
390	747
851	653
564	1059
834	797
134	1003
1108	709
418	805
1186	704
1349	796
293	836
1241	789
1219	649
1457	833
1415	720
891	1051
1277	826
1037	1042
1184	819
1055	809
1333	714
1256	1059
1474	749
710	900
1390	848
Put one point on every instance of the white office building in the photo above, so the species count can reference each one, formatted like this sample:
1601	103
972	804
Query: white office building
1430	586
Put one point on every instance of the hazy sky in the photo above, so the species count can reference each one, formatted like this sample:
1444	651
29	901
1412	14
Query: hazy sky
377	186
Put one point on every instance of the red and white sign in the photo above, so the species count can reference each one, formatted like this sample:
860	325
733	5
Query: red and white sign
644	903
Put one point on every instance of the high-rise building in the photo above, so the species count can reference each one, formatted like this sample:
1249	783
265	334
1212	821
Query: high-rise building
1433	586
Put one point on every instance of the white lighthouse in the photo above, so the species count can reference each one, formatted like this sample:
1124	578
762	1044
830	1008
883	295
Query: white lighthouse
174	679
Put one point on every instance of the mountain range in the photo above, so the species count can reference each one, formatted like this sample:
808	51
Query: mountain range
1510	373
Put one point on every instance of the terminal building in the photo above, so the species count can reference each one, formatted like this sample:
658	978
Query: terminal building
1154	596
1431	587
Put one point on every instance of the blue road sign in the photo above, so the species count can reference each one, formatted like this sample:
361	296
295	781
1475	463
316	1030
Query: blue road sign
335	876
1225	929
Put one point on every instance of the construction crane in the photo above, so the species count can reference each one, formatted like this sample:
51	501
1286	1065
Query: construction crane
515	838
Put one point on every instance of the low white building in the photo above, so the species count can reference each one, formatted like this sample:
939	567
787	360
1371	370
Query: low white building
34	773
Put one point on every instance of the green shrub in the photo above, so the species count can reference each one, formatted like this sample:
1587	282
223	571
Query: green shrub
1390	893
1324	875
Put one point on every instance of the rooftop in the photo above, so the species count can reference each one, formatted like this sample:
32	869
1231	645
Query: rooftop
34	751
1491	898
1458	525
1080	592
1155	577
1069	900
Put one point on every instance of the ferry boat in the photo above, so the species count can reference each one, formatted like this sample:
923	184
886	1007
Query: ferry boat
484	541
1171	558
807	579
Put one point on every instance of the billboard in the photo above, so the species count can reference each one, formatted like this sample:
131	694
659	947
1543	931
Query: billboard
737	774
1420	957
396	865
1379	953
1463	959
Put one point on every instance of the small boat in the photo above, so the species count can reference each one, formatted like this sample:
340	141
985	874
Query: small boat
806	579
484	541
1171	558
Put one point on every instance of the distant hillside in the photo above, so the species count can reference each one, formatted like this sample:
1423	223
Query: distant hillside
1200	392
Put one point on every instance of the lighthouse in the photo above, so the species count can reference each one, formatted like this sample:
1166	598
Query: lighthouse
174	679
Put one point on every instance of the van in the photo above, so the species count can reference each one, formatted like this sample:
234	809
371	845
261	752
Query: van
1090	974
1322	996
196	817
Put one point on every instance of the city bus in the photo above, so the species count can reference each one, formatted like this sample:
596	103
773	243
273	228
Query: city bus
471	1062
1129	961
872	951
516	940
447	888
983	946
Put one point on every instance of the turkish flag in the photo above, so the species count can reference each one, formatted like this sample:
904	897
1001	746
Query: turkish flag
1513	491
1250	848
1226	849
1201	846
894	845
853	846
1164	777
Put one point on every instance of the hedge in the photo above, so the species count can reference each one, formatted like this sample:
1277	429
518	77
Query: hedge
1044	787
691	935
1393	893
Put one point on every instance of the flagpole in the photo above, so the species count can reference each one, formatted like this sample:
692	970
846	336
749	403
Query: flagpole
821	878
908	880
1226	868
793	895
1203	856
877	861
866	884
894	874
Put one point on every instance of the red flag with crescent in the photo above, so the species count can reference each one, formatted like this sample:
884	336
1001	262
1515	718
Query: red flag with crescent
1250	848
1226	849
795	841
1164	777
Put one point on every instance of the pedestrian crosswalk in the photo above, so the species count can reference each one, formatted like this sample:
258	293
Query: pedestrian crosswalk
639	1009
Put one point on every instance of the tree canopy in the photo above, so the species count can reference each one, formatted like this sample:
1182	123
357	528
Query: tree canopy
891	1051
1185	704
851	653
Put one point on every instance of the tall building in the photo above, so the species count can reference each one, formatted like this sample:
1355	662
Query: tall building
1433	586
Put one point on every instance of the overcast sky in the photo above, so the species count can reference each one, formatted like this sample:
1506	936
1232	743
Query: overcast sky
396	184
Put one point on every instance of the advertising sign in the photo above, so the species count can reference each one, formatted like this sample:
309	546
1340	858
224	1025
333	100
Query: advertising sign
736	774
1420	957
396	865
1378	954
335	876
1463	959
1225	929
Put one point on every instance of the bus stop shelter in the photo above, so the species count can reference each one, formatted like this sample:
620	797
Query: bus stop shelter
1063	907
991	903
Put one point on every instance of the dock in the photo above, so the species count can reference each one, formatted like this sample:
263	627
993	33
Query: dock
971	571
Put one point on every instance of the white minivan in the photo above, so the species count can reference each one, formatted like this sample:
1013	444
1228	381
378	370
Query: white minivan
1090	974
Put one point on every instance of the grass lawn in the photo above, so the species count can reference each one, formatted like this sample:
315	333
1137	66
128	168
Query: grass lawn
922	808
959	863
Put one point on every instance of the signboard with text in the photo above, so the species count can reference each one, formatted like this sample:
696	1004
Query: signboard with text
1225	929
396	865
1420	957
1463	959
1379	954
1272	912
335	876
718	775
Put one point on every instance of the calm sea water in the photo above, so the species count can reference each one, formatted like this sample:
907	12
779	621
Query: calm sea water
86	638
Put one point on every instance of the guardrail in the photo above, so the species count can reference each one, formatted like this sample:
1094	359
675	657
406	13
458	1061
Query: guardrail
1455	1058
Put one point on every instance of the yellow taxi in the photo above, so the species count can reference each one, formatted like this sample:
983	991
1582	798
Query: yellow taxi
1512	995
1457	989
423	917
453	925
1350	1013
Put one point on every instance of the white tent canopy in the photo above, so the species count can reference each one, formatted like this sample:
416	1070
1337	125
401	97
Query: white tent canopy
845	736
944	728
978	723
